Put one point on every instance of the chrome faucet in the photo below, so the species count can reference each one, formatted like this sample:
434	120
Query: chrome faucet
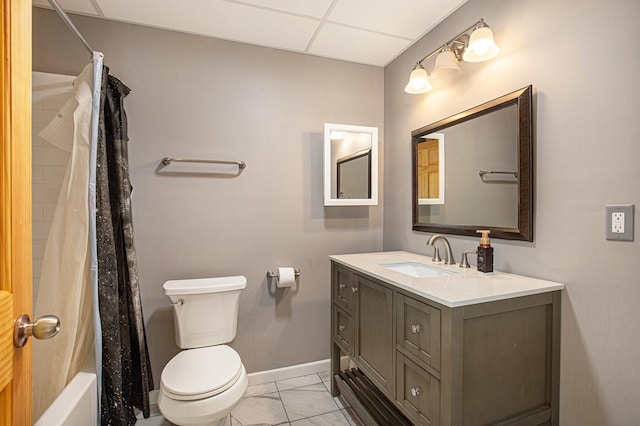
448	254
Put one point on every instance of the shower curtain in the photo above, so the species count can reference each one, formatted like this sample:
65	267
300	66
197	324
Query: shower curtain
126	371
64	288
89	266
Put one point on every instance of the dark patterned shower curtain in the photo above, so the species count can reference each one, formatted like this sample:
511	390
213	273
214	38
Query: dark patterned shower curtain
126	371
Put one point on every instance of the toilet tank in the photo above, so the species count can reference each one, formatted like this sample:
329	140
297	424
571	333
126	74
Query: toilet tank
205	310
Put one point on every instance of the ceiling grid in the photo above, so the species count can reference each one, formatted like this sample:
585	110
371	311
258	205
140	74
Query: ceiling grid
371	32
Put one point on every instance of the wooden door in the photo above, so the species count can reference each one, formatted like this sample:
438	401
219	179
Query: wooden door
15	208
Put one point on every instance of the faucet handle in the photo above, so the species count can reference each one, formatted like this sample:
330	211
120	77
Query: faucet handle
464	262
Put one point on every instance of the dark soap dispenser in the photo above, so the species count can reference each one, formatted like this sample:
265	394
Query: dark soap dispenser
485	252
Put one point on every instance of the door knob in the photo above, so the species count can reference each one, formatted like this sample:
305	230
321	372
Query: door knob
44	327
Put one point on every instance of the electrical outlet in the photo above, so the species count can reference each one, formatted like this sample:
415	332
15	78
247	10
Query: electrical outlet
619	222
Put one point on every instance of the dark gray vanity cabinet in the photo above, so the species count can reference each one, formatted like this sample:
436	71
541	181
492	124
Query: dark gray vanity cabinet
485	363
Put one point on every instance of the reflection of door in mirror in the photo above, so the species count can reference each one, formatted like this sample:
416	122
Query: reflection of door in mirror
354	175
430	169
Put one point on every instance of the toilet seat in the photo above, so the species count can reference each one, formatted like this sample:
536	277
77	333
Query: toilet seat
201	373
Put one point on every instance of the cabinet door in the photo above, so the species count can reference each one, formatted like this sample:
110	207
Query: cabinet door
418	330
418	392
374	347
344	288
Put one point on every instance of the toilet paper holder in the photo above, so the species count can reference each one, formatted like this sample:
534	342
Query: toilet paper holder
296	272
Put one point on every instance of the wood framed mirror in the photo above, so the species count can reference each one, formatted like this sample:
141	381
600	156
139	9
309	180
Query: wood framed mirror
486	167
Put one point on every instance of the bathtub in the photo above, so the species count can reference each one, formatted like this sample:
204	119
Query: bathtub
76	405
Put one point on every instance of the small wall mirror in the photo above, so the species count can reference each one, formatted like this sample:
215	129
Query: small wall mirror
474	170
350	165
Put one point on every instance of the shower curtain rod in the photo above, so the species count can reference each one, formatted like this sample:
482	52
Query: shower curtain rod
54	4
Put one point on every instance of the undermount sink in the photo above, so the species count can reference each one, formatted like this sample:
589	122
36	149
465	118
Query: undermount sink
418	270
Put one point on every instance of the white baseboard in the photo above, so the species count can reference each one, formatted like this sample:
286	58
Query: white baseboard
153	397
261	377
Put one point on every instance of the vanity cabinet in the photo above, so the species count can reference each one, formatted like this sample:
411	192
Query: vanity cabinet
494	362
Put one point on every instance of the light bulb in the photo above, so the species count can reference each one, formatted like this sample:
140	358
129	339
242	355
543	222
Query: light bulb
481	46
418	81
446	65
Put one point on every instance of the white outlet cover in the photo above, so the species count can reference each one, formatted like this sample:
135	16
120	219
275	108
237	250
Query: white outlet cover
617	222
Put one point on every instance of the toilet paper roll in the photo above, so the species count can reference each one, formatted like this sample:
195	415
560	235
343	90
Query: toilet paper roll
287	277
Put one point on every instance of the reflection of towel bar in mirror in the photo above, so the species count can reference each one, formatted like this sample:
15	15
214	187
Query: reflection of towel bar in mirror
167	160
482	173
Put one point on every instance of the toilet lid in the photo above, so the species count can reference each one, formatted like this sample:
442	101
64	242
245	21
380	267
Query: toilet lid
201	373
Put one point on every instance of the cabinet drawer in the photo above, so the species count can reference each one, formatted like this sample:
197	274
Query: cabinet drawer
418	330
344	288
343	330
418	392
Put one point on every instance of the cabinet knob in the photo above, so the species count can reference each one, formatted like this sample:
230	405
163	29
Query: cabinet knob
415	328
354	289
342	327
416	391
342	286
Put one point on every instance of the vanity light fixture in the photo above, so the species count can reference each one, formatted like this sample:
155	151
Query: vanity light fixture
477	47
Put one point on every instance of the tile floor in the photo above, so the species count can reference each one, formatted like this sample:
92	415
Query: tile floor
299	401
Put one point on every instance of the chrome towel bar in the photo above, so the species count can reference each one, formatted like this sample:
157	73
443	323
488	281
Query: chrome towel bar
167	160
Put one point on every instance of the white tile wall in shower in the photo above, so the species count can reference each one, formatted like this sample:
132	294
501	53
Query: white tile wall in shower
49	93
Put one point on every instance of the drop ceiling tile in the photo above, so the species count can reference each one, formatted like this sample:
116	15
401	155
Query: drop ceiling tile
315	8
78	6
215	18
287	24
405	18
350	44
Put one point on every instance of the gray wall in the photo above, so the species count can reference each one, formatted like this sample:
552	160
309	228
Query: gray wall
206	98
587	155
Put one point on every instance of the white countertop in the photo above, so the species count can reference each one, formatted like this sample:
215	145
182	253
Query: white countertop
466	287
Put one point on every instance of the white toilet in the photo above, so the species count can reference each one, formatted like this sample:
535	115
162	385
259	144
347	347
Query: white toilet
204	382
